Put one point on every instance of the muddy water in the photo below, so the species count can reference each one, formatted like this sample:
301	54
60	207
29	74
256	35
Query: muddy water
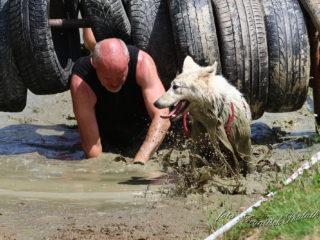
32	177
45	182
41	160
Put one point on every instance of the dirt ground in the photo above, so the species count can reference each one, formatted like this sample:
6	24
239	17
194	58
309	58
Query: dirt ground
48	191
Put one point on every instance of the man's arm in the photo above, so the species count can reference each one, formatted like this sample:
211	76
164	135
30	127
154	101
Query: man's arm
152	88
84	100
89	39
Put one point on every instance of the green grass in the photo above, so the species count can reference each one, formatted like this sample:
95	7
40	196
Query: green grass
300	196
316	137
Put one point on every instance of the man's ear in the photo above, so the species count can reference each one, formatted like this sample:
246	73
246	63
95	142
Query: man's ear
189	64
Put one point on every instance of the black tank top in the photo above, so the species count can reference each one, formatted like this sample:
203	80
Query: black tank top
122	115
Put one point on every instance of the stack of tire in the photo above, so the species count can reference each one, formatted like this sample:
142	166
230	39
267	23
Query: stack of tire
261	46
32	55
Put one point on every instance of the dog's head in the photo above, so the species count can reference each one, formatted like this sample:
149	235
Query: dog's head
187	88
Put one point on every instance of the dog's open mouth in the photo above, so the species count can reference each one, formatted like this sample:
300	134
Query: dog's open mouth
178	109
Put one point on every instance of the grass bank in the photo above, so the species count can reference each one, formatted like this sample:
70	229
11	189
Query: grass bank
293	213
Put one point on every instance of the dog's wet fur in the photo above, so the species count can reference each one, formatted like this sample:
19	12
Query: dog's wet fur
207	97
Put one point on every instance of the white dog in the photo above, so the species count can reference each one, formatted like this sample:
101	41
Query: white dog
215	105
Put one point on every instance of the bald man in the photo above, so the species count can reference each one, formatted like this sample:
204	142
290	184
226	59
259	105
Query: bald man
113	94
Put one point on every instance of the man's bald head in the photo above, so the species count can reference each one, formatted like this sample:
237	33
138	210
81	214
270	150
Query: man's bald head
112	50
110	59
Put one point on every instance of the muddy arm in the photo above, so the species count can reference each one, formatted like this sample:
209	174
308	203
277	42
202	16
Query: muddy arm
152	89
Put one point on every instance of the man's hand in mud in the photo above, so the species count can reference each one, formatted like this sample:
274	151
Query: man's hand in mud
139	159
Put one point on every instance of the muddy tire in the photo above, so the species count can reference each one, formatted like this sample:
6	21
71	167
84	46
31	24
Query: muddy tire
108	19
243	49
289	57
313	9
151	32
44	57
13	92
194	31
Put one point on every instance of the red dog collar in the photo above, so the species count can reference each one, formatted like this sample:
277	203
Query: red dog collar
229	124
185	124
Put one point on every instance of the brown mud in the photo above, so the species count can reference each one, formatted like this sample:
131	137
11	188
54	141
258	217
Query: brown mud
49	191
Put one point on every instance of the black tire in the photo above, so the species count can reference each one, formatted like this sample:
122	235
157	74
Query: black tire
289	55
313	9
194	31
151	32
44	57
243	49
13	92
108	19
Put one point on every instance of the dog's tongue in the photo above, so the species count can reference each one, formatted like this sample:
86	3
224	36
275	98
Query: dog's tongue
176	110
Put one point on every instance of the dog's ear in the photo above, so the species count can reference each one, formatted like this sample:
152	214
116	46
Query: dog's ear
206	71
189	64
214	68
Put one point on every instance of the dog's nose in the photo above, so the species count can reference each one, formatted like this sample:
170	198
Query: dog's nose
157	104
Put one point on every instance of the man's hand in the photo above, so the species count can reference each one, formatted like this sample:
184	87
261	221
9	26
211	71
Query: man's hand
155	135
140	159
152	88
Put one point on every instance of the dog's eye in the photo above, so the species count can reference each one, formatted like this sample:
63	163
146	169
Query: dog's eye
175	87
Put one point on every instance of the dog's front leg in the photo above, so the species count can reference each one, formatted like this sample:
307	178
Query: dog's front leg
199	138
197	131
220	133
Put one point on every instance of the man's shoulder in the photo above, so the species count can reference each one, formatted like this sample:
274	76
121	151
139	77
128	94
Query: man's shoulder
146	71
82	67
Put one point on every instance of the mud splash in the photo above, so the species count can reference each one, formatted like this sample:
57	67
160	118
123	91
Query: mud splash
279	140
